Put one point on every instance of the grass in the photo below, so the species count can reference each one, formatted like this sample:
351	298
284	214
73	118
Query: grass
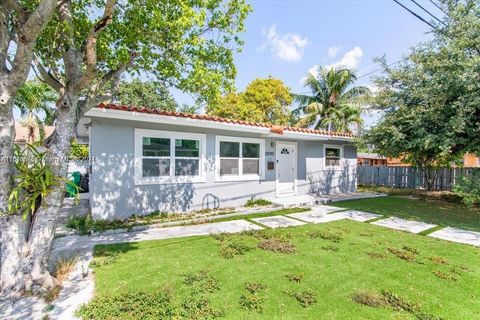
428	210
192	280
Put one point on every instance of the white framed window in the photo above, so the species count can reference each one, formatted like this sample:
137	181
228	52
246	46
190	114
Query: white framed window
333	156
169	157
239	158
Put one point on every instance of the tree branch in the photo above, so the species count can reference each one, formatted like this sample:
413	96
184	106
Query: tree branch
91	43
47	76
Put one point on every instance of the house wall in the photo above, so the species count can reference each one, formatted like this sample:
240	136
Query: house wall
113	193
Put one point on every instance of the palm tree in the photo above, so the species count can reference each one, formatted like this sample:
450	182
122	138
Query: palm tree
34	101
332	103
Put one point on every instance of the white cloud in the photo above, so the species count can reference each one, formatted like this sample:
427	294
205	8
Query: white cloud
333	51
351	59
287	47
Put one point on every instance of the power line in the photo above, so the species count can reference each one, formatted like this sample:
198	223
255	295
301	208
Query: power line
428	12
416	15
439	8
379	69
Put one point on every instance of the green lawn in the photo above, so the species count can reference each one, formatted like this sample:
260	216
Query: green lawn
333	262
433	211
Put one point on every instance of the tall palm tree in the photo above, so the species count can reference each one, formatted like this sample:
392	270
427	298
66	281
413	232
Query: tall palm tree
35	100
332	104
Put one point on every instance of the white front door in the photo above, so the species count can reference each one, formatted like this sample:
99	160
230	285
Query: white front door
286	168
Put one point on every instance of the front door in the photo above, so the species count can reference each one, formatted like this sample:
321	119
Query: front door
286	168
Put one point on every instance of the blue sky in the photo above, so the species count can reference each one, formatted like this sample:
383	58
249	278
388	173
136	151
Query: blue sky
286	38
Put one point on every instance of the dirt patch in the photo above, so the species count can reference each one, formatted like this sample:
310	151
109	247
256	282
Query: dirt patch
375	255
438	260
403	254
276	245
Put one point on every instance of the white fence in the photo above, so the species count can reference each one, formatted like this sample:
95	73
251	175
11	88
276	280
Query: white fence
409	177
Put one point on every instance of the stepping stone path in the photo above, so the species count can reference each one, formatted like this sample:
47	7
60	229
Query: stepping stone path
316	217
278	222
404	225
356	215
326	209
457	235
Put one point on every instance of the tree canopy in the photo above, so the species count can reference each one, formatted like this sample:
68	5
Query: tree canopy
264	100
151	94
432	97
332	102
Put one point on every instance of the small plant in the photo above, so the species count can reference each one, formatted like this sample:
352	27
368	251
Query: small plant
257	203
438	260
403	254
306	298
326	235
252	302
294	277
370	299
254	287
220	236
234	249
277	246
52	294
64	266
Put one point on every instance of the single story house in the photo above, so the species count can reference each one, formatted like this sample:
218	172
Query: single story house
146	160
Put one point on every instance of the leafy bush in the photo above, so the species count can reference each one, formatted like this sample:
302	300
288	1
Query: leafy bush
78	151
468	189
201	282
370	299
129	306
254	287
257	202
198	307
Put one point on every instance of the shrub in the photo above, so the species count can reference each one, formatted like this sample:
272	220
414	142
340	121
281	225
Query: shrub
438	260
444	276
468	189
277	246
129	306
257	202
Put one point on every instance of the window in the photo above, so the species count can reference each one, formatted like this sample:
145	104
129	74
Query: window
333	156
239	158
168	157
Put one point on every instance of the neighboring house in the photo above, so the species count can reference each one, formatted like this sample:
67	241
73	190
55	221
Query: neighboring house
370	159
25	134
146	160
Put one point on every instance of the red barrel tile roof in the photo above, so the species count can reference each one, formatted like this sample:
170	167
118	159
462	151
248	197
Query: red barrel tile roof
274	128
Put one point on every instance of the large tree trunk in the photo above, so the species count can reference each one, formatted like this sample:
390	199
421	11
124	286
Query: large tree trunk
25	256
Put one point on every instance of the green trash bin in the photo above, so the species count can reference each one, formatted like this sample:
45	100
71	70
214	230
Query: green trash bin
71	190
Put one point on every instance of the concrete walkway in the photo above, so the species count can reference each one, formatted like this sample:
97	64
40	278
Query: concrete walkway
404	225
457	235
